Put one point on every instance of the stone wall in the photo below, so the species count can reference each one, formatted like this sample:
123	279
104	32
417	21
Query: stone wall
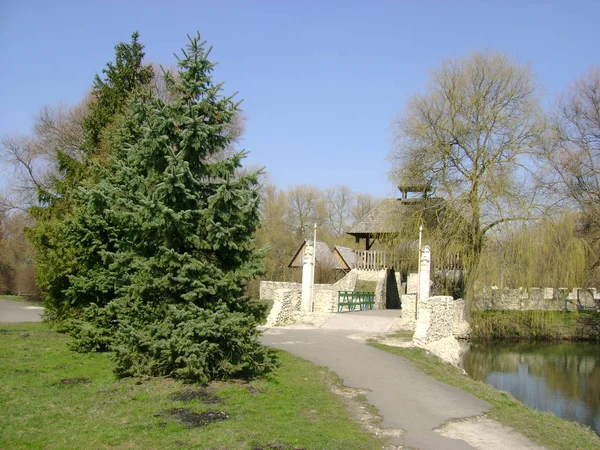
407	313
287	299
543	299
267	289
286	302
460	326
434	328
367	275
435	321
379	277
325	298
381	290
348	283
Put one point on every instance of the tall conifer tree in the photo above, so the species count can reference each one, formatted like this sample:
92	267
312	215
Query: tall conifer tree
57	260
166	238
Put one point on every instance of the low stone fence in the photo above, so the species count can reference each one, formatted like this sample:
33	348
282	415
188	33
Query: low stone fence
434	329
287	297
267	289
454	310
541	299
436	317
286	301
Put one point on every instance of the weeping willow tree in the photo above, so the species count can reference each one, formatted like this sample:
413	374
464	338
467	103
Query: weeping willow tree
469	138
443	229
544	254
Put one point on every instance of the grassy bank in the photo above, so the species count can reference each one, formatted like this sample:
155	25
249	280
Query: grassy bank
54	398
21	298
543	428
536	325
365	286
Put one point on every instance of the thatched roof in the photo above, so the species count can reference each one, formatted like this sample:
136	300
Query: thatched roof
323	256
390	216
345	256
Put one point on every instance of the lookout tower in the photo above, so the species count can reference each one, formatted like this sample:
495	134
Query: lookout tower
414	191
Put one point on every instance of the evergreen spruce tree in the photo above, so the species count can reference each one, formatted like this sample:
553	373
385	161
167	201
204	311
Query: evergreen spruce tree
58	259
121	78
169	228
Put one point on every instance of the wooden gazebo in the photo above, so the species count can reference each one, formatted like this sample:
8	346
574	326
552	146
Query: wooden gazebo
392	217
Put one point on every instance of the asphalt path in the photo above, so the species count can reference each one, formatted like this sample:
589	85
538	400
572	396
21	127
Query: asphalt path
11	311
406	398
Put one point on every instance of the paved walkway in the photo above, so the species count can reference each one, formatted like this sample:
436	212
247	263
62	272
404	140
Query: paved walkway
11	311
375	321
406	398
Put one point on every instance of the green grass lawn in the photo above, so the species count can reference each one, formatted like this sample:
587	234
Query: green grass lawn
53	398
541	427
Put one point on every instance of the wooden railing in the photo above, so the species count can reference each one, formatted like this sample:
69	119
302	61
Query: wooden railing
382	259
374	259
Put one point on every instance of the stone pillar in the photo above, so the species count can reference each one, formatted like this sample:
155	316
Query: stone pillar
424	274
307	278
434	329
381	290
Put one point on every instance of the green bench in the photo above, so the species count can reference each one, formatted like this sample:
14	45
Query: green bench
355	301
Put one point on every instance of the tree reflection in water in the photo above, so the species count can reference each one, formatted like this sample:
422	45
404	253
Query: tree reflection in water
560	378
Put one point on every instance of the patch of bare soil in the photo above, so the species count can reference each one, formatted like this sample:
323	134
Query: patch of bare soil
253	389
203	394
363	412
276	446
191	419
486	434
72	381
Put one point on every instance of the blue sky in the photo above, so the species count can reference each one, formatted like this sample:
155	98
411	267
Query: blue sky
321	81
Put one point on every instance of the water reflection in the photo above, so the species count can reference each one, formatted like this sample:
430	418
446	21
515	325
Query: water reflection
561	378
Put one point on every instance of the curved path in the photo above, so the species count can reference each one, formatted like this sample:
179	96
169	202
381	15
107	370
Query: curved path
21	311
406	398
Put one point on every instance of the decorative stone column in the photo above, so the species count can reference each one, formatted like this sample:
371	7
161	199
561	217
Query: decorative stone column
307	281
422	306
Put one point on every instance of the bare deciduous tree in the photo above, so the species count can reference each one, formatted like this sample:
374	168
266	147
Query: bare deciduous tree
339	201
362	204
573	152
20	155
274	233
288	217
16	256
469	137
33	161
306	208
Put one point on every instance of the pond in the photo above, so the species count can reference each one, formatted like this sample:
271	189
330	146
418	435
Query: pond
562	378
